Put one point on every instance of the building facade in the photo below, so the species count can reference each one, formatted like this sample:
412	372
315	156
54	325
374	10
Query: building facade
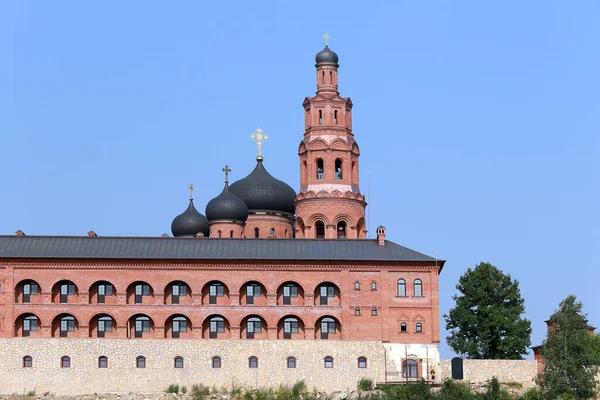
264	264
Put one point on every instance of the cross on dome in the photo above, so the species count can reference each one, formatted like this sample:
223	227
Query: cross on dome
227	170
326	37
191	188
259	137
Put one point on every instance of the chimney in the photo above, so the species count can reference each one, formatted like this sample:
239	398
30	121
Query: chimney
20	233
381	235
92	234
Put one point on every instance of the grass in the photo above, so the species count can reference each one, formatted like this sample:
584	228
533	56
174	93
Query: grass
31	393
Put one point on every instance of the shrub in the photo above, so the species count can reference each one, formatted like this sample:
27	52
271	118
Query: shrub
365	384
452	390
531	394
184	389
173	388
31	393
199	391
298	389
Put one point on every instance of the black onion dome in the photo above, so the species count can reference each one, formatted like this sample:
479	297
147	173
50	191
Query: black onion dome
326	56
189	223
227	206
261	192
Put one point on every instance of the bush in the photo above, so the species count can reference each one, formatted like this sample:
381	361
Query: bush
531	394
31	393
365	384
184	389
173	388
199	391
452	390
298	389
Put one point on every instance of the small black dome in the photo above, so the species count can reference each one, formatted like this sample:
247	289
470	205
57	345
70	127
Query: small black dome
227	206
189	223
326	56
261	192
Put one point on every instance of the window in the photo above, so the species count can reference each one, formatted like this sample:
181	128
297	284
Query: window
327	327
216	362
30	288
179	325
253	362
290	326
252	291
104	325
341	230
289	290
217	325
104	289
356	311
140	362
334	115
219	233
410	369
230	234
253	325
256	233
373	285
66	289
326	291
321	111
178	362
215	290
141	290
403	327
320	169
142	324
419	327
102	362
418	286
30	324
271	231
374	311
178	290
328	362
362	362
67	324
357	285
401	288
320	229
291	362
338	169
27	362
65	362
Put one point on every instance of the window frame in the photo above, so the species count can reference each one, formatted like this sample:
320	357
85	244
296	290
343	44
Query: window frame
361	362
216	362
101	360
418	283
252	362
357	311
178	362
408	367
373	286
419	327
328	362
403	327
293	360
374	311
140	362
65	362
27	359
401	283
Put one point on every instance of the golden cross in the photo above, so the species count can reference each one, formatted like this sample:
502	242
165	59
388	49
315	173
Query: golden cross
227	170
191	188
326	37
259	138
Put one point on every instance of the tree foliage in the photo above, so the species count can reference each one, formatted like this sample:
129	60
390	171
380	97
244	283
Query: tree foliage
568	355
487	322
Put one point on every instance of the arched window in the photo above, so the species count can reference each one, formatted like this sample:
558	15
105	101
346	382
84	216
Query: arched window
216	362
418	286
217	325
253	362
29	288
338	169
140	362
320	173
103	289
67	324
219	233
419	327
215	290
327	327
65	362
291	362
409	368
328	361
373	285
362	362
66	289
374	311
290	290
322	78
30	324
231	234
272	231
179	325
178	289
104	325
27	362
326	291
341	230
178	362
102	362
401	288
256	233
335	117
321	111
331	77
141	289
357	285
320	229
142	324
403	327
357	311
253	325
290	326
252	290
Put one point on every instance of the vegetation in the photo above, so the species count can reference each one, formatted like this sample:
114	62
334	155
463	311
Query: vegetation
569	358
487	322
365	384
173	388
31	393
199	391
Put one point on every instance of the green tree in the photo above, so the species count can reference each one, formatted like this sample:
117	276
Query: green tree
487	322
568	356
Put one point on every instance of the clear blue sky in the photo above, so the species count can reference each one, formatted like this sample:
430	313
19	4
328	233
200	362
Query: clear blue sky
478	123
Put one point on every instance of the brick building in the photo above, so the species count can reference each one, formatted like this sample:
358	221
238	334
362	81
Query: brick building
265	263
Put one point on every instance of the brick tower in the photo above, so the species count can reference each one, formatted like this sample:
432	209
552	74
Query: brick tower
329	204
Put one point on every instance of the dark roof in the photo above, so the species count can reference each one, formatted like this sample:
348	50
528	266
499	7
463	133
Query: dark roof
190	222
226	207
326	56
205	249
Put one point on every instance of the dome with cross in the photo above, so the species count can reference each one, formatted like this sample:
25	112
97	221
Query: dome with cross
190	222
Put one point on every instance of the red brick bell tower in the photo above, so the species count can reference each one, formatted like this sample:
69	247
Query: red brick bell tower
329	204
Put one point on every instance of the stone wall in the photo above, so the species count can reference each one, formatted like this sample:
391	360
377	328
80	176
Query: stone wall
480	371
84	376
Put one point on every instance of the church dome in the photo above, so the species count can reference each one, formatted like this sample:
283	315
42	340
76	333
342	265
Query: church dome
326	56
189	223
227	206
261	192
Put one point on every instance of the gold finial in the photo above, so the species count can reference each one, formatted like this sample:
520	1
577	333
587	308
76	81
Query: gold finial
191	188
326	37
227	170
259	137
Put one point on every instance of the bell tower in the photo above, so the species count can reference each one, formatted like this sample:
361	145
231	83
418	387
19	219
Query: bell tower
329	204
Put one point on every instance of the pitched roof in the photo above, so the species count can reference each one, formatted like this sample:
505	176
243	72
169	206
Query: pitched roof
205	249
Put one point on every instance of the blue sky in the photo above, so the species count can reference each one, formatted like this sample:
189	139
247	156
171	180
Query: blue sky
478	122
